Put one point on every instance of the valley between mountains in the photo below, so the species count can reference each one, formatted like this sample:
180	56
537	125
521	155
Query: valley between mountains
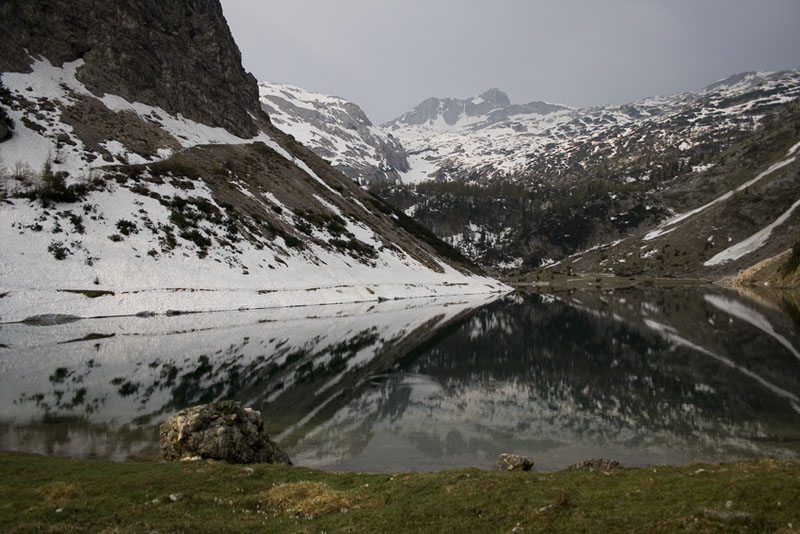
700	184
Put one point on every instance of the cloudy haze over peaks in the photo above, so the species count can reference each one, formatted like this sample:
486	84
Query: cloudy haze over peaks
389	56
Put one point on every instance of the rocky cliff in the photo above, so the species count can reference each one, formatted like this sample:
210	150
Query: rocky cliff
179	55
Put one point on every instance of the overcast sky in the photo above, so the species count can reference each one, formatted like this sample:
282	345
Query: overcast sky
389	55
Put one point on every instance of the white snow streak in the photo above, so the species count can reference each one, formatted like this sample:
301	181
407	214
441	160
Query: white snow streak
662	229
752	243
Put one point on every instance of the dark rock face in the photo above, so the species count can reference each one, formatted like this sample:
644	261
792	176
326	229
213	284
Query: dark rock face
5	133
177	55
493	103
513	462
221	431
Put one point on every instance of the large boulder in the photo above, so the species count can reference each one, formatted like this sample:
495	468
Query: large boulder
513	462
221	431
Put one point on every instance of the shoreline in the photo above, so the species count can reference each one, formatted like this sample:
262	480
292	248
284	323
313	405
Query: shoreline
19	306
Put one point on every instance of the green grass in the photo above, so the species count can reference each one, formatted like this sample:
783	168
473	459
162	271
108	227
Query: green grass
52	495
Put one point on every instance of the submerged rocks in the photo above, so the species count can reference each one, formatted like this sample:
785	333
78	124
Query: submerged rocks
513	462
221	431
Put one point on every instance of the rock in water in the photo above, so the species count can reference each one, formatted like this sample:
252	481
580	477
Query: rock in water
513	462
221	431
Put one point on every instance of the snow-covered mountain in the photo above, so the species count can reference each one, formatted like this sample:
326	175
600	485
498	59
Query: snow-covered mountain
117	199
486	136
512	185
336	130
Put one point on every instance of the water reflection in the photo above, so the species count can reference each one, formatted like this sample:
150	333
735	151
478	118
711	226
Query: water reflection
641	376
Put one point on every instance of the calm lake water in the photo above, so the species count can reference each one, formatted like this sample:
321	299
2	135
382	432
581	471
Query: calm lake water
639	376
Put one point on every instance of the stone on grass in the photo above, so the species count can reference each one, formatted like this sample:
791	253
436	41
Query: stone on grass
597	463
726	515
513	462
220	431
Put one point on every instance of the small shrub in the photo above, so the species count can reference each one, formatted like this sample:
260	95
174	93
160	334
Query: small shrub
196	237
175	165
76	220
58	250
291	241
168	242
126	227
354	247
140	189
303	226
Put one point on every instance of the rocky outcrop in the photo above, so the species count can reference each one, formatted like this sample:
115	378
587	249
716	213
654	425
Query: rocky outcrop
450	109
5	124
597	463
5	132
513	462
221	431
179	55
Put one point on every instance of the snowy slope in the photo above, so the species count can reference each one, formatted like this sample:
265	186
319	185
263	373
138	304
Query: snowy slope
336	130
181	216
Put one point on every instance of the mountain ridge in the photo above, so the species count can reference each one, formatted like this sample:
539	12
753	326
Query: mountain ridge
514	188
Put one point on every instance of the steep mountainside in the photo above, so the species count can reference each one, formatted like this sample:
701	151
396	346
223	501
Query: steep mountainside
741	212
127	191
336	130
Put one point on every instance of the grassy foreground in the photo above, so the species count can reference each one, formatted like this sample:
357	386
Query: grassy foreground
49	495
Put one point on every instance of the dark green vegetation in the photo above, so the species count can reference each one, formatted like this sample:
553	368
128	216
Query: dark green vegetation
51	495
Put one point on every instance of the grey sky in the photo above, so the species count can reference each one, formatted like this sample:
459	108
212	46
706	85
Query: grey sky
388	55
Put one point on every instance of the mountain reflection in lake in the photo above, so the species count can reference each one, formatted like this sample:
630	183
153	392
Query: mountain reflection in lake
640	376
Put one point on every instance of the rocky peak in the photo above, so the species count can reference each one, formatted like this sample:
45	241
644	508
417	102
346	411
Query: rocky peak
492	103
488	100
177	55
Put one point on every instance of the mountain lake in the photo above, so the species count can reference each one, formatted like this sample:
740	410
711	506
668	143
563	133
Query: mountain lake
641	376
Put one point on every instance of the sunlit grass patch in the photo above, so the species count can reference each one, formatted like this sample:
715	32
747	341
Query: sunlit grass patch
309	498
